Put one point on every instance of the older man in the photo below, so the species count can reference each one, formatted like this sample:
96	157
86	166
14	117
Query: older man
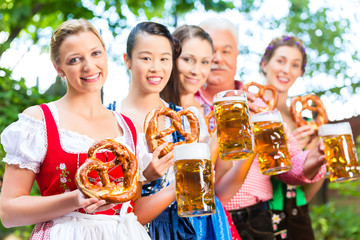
248	206
223	69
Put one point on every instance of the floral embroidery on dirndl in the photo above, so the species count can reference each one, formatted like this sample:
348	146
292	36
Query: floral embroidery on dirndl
64	176
278	218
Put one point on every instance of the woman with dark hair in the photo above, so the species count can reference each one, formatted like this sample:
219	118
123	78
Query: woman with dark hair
151	54
189	75
283	62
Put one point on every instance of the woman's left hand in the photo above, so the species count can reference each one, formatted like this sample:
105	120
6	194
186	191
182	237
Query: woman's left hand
304	135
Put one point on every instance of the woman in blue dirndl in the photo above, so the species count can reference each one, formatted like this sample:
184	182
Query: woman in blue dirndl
151	52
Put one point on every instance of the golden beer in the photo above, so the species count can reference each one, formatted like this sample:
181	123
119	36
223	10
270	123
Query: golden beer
194	180
340	152
270	143
233	125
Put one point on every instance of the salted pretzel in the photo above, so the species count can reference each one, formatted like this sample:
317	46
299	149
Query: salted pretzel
154	137
208	118
270	103
318	109
109	191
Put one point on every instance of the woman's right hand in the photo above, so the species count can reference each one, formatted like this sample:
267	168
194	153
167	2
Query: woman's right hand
91	205
158	166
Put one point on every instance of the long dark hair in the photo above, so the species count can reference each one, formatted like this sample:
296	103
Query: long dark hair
152	28
171	92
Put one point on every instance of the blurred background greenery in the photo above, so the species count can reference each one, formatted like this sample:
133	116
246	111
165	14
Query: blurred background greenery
330	49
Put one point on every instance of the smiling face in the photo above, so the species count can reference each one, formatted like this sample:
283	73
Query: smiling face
151	63
283	68
194	64
223	68
83	60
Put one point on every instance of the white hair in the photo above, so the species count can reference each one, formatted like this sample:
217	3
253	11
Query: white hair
219	23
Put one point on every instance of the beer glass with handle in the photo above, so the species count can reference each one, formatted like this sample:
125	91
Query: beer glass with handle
340	151
233	125
194	180
270	143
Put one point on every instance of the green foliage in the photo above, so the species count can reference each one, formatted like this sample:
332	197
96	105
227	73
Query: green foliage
335	223
347	189
322	33
325	34
15	96
32	17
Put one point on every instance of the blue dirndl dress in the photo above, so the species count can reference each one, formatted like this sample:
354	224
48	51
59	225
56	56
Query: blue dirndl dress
169	226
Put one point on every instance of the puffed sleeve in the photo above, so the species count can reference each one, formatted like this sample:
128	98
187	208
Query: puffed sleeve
25	143
295	176
142	154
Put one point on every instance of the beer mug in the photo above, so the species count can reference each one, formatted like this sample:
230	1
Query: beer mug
340	151
194	180
233	125
270	143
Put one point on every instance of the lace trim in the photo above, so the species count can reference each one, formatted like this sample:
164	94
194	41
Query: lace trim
18	160
42	130
71	134
31	119
83	139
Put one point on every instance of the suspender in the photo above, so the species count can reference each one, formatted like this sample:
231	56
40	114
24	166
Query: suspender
131	125
132	128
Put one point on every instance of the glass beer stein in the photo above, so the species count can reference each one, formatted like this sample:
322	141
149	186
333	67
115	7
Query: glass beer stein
194	180
340	151
233	125
270	143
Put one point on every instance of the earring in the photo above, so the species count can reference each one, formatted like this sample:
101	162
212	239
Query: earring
205	85
61	74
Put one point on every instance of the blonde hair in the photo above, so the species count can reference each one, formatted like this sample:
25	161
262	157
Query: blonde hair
66	29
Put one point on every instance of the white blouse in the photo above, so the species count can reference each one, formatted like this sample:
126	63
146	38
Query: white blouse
25	141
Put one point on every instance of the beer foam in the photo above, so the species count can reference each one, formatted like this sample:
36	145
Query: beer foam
230	98
192	151
230	95
270	116
335	129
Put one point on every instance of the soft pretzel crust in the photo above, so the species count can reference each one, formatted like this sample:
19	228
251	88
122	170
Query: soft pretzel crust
270	103
318	108
208	118
110	191
154	137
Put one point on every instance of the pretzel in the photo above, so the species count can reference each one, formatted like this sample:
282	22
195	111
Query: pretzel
154	137
319	108
270	103
109	191
208	118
